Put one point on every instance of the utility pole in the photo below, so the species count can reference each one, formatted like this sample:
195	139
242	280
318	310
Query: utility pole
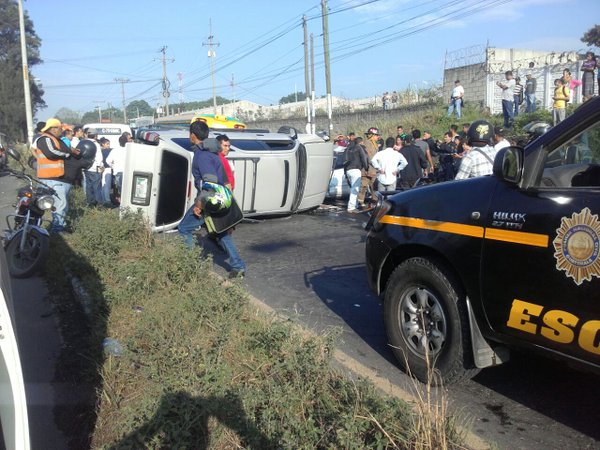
313	122
211	54
25	64
123	81
327	67
306	79
99	102
166	84
232	84
180	89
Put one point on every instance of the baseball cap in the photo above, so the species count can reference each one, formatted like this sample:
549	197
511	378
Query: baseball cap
51	123
373	130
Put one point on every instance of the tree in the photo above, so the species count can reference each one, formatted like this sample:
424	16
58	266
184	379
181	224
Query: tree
13	119
67	115
139	108
291	98
592	36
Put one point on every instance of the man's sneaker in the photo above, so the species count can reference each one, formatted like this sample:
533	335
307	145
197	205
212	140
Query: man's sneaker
237	273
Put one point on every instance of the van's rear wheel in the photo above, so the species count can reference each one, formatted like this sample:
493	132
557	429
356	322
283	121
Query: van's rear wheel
427	324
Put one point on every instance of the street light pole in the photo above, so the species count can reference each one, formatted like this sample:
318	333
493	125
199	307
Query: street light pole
26	89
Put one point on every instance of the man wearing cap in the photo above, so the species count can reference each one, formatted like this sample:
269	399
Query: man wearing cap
456	99
56	167
530	87
368	176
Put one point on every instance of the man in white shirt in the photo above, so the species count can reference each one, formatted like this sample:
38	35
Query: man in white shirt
499	139
456	99
508	97
388	163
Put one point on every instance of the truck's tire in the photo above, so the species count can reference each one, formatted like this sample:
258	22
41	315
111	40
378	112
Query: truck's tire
425	319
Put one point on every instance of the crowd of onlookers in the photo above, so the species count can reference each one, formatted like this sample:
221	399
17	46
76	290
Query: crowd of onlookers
414	157
521	97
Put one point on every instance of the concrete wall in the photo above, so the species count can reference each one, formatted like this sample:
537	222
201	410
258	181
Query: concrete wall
472	78
344	123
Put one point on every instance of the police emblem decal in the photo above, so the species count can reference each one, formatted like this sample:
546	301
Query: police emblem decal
577	246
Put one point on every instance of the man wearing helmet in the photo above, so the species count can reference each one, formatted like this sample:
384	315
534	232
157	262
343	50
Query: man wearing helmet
368	176
479	161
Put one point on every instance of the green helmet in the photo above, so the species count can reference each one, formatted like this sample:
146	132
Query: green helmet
218	198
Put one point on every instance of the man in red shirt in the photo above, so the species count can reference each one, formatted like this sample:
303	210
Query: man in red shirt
225	146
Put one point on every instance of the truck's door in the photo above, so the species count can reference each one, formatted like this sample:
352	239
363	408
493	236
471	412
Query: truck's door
158	181
541	254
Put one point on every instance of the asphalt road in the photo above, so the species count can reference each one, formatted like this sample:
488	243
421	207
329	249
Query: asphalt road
311	268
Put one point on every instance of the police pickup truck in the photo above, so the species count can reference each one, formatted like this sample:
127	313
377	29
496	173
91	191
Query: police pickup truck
469	269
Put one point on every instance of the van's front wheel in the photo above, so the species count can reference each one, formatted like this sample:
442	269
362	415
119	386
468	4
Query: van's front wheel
427	324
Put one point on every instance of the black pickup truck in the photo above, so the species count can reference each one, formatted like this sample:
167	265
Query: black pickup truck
469	269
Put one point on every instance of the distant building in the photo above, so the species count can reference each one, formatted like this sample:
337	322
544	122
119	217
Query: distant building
479	68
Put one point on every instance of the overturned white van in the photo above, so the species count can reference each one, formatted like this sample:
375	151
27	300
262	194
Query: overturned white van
275	173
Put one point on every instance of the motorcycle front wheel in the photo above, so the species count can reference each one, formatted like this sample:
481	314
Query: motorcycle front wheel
24	263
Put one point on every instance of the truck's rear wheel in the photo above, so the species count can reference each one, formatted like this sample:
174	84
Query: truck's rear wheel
426	322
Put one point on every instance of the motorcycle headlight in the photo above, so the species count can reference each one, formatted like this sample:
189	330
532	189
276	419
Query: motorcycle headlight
45	202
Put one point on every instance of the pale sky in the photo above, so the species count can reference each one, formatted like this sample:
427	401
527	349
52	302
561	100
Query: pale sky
376	45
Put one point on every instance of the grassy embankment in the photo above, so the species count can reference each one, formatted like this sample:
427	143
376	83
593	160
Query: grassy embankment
201	368
436	121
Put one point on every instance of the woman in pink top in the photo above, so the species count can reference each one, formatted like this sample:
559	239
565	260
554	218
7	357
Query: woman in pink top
571	83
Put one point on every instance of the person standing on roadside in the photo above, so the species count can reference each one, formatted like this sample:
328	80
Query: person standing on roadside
530	88
93	175
355	162
561	97
456	99
588	67
517	96
207	167
479	161
388	163
78	135
508	98
369	175
52	155
416	163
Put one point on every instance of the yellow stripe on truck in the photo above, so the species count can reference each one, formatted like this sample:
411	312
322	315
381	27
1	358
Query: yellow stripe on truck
515	237
435	225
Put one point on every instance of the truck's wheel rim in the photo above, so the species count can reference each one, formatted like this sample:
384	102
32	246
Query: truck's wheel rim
422	322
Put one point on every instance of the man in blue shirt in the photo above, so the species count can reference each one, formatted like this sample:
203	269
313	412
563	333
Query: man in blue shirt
207	166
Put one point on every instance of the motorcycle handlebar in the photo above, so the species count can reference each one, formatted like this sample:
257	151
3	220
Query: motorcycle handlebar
23	176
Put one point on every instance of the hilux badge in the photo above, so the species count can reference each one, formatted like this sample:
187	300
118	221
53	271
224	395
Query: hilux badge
577	246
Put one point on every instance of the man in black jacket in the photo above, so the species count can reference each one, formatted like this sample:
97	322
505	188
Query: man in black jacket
416	163
355	162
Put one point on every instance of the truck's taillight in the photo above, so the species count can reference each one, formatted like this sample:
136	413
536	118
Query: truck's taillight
141	188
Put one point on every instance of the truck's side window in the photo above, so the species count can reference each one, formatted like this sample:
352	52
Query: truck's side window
576	163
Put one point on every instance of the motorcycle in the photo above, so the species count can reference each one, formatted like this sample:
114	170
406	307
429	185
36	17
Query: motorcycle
26	241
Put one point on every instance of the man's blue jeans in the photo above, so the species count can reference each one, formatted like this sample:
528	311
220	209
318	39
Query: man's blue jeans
61	204
508	111
191	222
455	105
530	103
93	187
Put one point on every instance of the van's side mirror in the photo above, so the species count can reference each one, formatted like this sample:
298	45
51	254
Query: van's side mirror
508	164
